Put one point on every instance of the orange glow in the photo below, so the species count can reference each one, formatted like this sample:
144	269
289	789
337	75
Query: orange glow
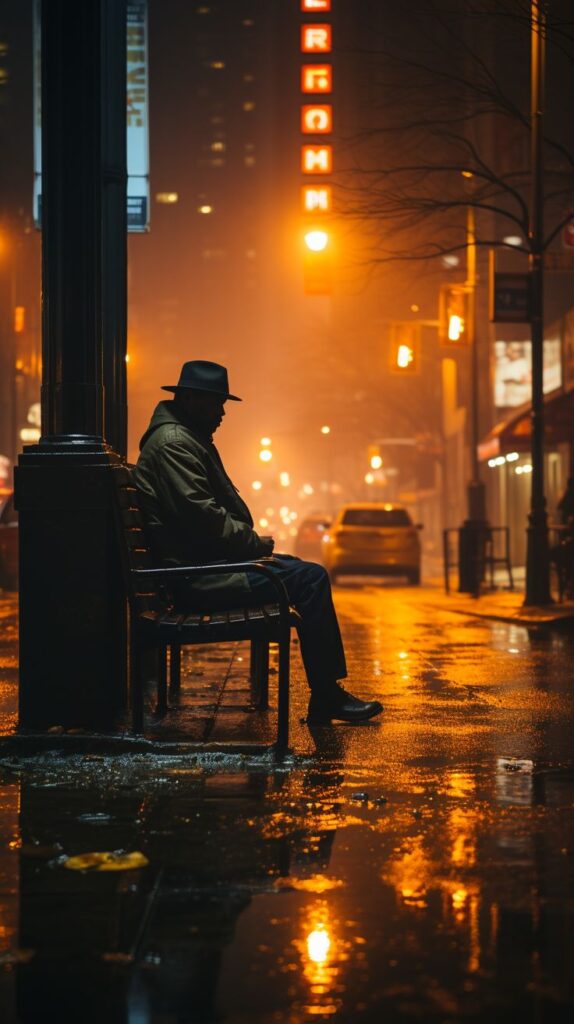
19	319
315	38
316	78
405	356
316	119
455	327
318	945
315	198
316	240
315	5
316	159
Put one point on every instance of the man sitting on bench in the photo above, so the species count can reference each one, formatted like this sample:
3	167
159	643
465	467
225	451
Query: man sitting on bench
195	516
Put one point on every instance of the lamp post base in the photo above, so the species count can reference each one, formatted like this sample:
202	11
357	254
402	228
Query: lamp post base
537	562
472	539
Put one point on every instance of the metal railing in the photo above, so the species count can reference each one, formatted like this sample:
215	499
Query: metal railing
490	551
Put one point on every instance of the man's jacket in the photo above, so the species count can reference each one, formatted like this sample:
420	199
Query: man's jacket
193	512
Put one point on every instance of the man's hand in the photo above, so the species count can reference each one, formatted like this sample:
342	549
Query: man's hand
269	543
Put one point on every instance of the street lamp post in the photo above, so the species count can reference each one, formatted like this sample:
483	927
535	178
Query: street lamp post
476	496
537	553
472	532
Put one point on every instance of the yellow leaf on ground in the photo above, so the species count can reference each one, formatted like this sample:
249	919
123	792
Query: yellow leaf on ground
107	861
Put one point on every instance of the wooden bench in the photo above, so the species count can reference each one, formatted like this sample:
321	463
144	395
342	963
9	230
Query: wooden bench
156	622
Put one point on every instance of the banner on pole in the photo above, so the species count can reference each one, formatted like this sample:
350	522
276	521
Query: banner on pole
137	127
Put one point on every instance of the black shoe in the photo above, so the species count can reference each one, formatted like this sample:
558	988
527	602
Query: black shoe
341	706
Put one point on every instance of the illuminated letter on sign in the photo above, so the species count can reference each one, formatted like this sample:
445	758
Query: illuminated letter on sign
315	5
316	78
316	198
316	38
316	120
316	159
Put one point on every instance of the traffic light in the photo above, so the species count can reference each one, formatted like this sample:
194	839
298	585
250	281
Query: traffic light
374	456
405	347
317	277
453	315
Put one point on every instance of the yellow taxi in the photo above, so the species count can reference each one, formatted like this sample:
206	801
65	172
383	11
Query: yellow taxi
372	538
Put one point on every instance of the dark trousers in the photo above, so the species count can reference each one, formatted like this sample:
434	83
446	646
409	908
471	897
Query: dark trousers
309	591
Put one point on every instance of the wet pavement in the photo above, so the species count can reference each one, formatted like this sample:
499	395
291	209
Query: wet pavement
420	868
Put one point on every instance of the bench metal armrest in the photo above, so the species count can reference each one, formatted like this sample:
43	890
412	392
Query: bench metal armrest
261	566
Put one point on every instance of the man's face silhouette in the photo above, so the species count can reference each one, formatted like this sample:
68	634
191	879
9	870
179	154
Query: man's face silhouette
202	407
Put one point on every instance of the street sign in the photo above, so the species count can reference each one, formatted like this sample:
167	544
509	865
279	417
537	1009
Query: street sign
509	298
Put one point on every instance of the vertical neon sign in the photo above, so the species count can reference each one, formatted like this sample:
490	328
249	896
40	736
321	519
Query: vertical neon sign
316	44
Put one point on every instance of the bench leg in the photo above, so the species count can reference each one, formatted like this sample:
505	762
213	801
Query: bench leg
174	669
283	715
161	707
259	673
136	681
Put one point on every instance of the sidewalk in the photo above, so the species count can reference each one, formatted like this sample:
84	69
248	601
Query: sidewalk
503	604
212	714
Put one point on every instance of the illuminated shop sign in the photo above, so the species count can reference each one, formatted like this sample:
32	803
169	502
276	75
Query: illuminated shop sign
316	119
316	78
312	6
316	43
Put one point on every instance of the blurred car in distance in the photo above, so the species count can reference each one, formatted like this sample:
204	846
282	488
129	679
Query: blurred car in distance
372	538
309	539
8	544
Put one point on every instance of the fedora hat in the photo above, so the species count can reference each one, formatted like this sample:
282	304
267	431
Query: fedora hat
200	375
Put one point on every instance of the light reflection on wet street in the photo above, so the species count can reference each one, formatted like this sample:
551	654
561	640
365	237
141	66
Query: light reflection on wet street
416	869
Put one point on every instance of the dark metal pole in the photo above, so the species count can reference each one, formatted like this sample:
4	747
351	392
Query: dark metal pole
472	532
476	490
72	603
537	556
114	240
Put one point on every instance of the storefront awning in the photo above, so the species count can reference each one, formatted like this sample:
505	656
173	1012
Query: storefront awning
513	434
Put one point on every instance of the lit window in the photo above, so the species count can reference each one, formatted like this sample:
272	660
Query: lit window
204	10
248	105
166	197
217	161
205	208
217	65
249	78
249	161
217	147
